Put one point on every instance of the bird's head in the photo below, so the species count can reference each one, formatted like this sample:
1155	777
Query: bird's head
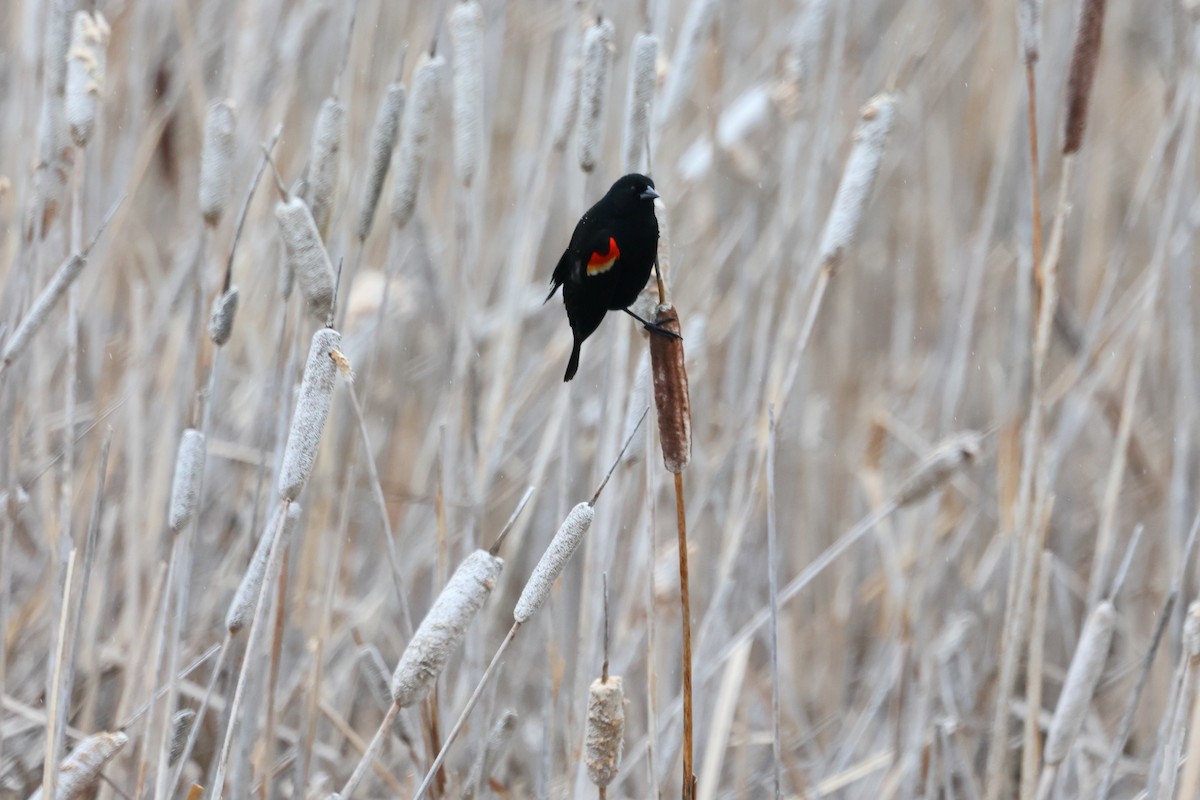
633	187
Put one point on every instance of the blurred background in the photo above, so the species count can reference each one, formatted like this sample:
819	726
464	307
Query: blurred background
889	663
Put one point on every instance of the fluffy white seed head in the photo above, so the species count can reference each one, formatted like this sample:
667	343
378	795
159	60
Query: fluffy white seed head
416	138
553	561
638	101
86	63
466	32
1191	630
946	459
870	139
566	102
1087	666
82	768
806	43
605	729
312	409
220	322
185	487
216	160
1029	25
686	60
306	255
323	156
241	609
383	142
593	91
443	629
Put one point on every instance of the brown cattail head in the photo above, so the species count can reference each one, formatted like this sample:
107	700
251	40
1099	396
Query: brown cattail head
593	91
1087	665
383	142
466	32
82	768
1089	30
216	161
416	138
642	76
224	309
870	139
605	729
443	629
185	487
306	255
1029	25
241	609
671	391
312	409
86	63
946	459
553	561
181	726
323	155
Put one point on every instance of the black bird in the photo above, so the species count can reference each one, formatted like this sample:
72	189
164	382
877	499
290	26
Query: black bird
609	260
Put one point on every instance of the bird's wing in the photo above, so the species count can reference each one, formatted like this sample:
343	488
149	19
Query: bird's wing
598	255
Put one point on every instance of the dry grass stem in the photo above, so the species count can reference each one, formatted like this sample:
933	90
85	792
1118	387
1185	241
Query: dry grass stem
593	91
312	409
86	65
216	161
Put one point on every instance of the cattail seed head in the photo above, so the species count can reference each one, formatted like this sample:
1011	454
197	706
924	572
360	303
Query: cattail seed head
323	155
82	768
946	459
1089	30
241	609
86	63
1087	665
416	138
1191	630
605	729
870	139
181	726
671	391
637	103
35	318
220	323
216	161
312	408
553	561
498	741
185	487
375	674
306	255
566	103
466	32
443	629
593	91
806	43
1029	25
686	60
383	142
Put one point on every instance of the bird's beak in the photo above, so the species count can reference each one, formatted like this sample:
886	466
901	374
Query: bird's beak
649	194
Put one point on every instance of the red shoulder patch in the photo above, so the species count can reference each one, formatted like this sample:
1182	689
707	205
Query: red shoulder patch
602	262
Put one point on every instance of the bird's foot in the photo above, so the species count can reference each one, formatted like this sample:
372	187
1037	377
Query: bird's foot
656	327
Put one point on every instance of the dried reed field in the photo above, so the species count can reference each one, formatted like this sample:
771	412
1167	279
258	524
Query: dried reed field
295	504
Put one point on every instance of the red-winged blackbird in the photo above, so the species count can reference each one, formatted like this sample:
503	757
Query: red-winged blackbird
609	259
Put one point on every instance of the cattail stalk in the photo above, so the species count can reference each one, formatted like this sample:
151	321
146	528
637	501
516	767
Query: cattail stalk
241	609
416	139
444	627
554	559
1162	781
306	255
1089	30
593	91
86	64
82	768
189	463
638	101
312	409
858	180
689	48
323	156
383	142
216	161
605	730
466	33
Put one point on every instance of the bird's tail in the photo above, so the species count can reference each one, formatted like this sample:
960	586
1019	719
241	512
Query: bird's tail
573	364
